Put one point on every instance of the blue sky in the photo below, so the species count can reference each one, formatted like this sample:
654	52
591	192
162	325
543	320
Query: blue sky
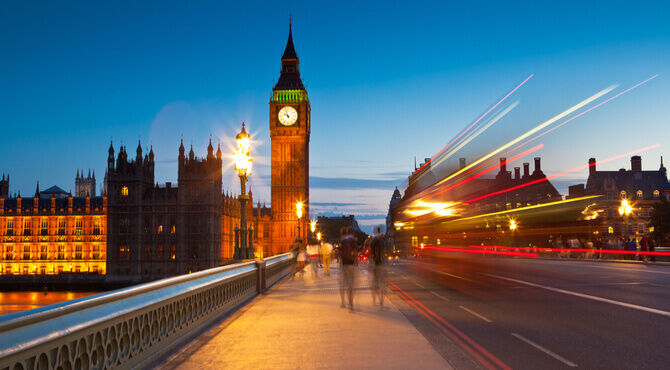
387	81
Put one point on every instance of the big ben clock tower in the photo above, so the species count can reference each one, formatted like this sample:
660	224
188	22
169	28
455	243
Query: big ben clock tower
289	135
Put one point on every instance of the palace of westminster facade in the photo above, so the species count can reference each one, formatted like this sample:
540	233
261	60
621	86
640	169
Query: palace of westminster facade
137	230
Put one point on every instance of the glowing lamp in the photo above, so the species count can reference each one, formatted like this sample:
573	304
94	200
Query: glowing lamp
312	226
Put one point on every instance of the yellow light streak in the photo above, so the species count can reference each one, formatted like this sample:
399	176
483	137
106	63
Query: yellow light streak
525	208
530	132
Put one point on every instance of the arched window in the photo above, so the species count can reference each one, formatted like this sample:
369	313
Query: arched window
622	195
639	194
124	191
656	194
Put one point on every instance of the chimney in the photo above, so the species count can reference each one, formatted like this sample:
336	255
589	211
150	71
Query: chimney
517	173
503	164
461	163
592	166
537	165
636	163
526	169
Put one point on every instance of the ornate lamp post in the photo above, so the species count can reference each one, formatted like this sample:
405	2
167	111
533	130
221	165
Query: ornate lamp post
298	212
243	167
625	210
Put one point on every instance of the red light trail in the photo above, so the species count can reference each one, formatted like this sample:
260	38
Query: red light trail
560	174
463	250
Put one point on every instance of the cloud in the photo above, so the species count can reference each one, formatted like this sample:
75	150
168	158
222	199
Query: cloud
351	183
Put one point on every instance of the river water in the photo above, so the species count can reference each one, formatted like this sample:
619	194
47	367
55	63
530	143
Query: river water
11	302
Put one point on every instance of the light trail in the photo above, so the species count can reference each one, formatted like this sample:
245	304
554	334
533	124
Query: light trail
535	206
559	174
570	119
576	250
477	133
530	132
475	122
537	147
463	250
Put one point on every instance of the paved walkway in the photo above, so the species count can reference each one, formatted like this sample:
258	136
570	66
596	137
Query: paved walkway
299	324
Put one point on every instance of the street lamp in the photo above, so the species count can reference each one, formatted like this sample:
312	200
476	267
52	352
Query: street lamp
318	236
512	224
243	161
298	212
625	210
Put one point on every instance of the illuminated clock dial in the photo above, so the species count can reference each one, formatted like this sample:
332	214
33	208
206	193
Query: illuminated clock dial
288	115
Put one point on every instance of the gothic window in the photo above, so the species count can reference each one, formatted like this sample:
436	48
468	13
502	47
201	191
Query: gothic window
96	226
656	194
95	252
10	227
9	252
173	254
622	195
159	252
61	225
78	226
44	229
61	251
160	229
124	225
124	191
639	194
27	224
172	230
77	252
43	252
26	252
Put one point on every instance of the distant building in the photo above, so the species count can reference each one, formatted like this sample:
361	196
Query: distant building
641	188
84	185
330	226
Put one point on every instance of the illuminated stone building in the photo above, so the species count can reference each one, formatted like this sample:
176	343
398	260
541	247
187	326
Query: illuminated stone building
52	233
640	188
138	230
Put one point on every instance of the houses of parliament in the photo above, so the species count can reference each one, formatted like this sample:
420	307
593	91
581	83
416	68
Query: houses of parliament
138	230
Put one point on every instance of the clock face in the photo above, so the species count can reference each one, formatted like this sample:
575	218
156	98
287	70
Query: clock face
288	115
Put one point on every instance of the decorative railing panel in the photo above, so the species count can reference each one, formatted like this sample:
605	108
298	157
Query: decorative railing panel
130	327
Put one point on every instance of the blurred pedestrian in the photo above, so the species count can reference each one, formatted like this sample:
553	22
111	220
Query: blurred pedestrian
302	257
347	252
377	259
326	251
631	247
313	254
644	248
652	248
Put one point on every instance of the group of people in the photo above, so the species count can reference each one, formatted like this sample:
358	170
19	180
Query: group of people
633	245
347	252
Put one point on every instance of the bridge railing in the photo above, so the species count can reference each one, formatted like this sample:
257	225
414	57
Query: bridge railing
133	326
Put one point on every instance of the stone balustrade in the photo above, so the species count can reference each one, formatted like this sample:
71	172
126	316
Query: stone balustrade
134	326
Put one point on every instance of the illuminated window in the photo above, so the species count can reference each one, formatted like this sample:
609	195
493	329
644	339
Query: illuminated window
124	191
61	251
78	226
77	252
60	269
95	252
639	194
10	227
610	230
415	241
9	253
160	229
656	194
622	195
27	224
43	252
26	252
173	254
124	252
96	226
44	227
61	225
172	230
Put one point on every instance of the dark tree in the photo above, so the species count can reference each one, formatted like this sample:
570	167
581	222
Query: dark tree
660	221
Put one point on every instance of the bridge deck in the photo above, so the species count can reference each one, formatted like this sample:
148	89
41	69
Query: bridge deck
300	324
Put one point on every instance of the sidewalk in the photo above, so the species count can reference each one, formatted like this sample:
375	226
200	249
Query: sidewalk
299	324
